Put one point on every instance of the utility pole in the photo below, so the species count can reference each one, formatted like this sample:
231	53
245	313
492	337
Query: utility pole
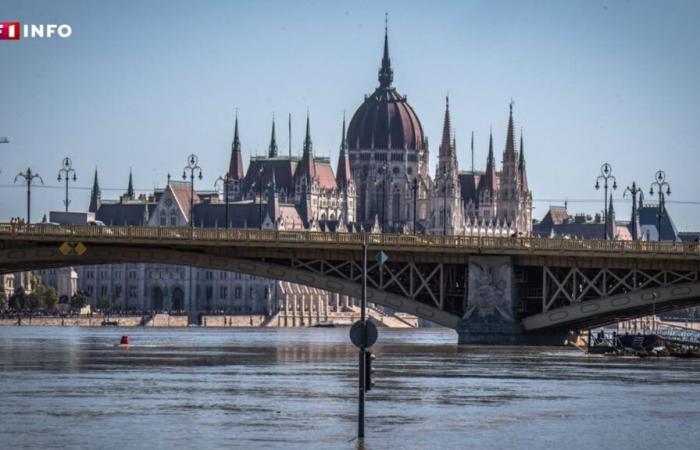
605	176
29	178
660	184
66	171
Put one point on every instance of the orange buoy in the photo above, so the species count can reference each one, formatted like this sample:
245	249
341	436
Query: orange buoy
124	340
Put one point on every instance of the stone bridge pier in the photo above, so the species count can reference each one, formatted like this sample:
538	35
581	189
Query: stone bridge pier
491	313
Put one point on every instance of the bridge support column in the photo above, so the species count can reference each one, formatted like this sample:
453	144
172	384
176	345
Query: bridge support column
491	313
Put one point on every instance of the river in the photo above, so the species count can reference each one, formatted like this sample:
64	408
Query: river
71	388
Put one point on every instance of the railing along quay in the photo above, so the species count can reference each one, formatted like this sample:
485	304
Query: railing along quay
185	234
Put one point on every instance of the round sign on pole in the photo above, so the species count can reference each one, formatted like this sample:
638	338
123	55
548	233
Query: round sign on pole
358	337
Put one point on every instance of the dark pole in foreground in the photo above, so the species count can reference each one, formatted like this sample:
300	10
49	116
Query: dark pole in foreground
415	203
363	349
28	179
660	185
67	170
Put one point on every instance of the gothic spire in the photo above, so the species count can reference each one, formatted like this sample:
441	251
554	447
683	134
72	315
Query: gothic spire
521	163
95	195
307	165
235	167
272	153
489	177
510	138
446	144
130	190
386	73
343	175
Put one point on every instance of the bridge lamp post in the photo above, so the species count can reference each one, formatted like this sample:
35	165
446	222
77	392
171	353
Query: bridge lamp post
606	177
226	180
29	178
195	171
414	188
660	184
68	173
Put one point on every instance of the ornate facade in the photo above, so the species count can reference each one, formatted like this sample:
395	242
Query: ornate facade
389	155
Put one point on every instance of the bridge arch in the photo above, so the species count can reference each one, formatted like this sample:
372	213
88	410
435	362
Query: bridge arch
34	258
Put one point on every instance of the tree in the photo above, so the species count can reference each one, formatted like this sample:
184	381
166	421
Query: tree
18	300
78	301
4	303
50	300
33	302
104	304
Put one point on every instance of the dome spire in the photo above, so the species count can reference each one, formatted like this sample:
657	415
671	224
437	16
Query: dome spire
386	74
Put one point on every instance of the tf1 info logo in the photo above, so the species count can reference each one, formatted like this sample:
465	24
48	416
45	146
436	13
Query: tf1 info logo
12	31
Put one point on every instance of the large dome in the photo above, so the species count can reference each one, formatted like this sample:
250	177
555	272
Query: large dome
385	120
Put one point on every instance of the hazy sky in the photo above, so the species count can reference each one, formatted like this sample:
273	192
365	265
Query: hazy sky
143	84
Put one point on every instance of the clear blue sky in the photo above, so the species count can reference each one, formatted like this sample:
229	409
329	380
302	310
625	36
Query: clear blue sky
143	84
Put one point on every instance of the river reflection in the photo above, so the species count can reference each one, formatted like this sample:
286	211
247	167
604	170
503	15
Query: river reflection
287	388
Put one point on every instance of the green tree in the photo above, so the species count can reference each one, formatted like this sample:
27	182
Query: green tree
33	302
18	300
50	301
78	301
104	304
4	303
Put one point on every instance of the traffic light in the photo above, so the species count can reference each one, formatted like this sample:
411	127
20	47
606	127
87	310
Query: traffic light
368	370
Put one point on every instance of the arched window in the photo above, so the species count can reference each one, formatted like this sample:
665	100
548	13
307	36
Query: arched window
162	219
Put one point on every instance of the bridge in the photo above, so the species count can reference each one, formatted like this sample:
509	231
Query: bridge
489	289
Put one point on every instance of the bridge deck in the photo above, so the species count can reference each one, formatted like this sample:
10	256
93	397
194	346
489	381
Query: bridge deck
350	241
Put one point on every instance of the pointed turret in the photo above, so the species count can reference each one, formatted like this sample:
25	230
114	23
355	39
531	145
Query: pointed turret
509	153
235	167
521	164
446	143
386	73
489	176
95	195
272	152
307	166
130	194
343	175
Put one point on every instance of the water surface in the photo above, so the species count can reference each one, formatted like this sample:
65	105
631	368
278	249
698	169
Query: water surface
71	388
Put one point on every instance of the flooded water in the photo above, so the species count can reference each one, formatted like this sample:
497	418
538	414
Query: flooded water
71	388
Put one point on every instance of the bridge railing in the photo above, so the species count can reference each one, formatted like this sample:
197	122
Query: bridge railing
388	240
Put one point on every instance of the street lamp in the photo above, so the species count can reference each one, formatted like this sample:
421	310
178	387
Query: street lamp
414	188
29	178
605	176
660	184
226	180
66	171
634	191
194	170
